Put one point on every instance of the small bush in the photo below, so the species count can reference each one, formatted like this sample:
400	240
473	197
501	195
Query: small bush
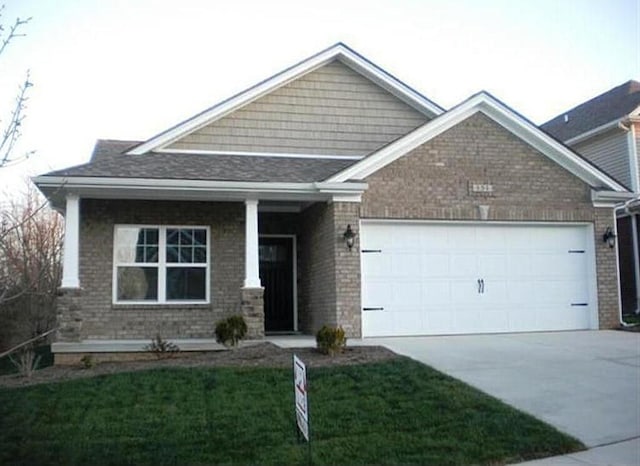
87	361
331	340
26	361
231	330
162	348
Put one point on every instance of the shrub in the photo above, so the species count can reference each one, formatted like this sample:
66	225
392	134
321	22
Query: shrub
26	361
331	340
87	361
162	348
231	330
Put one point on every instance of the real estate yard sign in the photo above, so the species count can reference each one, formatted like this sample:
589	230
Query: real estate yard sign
300	389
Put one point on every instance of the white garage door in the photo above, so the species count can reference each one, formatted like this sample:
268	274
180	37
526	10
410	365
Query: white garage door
430	279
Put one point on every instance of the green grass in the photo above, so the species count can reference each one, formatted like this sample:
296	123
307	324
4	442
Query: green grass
398	412
46	360
631	318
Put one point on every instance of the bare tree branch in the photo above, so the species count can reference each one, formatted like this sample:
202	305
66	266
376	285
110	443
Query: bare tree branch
13	30
12	129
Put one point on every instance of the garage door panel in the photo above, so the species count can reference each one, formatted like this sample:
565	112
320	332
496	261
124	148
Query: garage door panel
519	265
406	295
460	239
376	293
378	264
463	264
428	278
436	294
438	322
406	264
435	265
492	265
405	323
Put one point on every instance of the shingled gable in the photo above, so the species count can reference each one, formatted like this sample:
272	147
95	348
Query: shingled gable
336	79
502	114
609	107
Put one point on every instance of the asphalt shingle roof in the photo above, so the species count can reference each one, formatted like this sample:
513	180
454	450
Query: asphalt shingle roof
109	159
609	106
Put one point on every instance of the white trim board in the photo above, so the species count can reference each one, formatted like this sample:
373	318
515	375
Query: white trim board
338	51
501	114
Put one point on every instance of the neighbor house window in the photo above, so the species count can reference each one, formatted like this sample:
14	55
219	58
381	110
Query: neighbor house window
161	264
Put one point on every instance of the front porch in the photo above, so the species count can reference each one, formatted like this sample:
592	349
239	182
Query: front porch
248	271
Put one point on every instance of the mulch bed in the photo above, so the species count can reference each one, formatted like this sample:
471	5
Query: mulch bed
259	355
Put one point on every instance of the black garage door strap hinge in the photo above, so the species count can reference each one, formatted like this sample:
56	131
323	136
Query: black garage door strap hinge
576	251
373	308
371	250
579	304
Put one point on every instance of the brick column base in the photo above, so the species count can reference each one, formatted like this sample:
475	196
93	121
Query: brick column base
253	311
69	315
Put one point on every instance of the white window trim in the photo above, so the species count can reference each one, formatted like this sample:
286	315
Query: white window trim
162	267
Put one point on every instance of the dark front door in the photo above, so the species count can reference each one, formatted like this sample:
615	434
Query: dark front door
276	275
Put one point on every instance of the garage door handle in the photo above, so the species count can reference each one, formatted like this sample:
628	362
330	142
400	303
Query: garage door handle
480	285
373	308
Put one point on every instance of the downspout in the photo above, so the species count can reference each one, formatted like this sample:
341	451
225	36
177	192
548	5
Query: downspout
627	126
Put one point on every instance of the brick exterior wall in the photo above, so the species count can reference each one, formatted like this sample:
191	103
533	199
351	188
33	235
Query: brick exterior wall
432	182
607	271
317	272
103	320
329	273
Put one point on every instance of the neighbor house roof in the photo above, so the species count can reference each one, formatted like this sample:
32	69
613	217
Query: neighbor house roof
111	160
613	105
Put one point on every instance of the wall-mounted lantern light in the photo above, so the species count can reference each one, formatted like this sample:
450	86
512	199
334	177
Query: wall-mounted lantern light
609	237
349	236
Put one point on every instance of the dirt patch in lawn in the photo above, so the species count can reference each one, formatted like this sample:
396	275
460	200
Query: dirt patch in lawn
258	355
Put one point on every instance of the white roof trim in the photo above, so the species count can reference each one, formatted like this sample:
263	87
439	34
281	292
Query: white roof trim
339	51
498	112
56	187
74	182
260	154
594	132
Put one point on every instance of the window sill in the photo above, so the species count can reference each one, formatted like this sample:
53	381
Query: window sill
161	306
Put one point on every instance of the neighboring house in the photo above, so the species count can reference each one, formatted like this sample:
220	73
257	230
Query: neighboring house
333	193
606	131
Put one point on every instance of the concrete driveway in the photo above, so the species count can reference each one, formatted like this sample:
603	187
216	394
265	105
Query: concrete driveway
584	383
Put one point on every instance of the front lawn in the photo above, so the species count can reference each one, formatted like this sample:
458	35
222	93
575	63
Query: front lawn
397	412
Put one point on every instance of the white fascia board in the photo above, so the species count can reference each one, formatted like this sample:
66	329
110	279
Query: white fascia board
192	189
593	132
610	198
514	123
338	51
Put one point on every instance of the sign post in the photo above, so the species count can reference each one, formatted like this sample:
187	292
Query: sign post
301	400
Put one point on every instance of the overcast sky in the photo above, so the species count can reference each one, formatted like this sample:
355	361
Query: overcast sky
130	69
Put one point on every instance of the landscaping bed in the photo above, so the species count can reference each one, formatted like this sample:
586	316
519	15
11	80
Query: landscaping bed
255	355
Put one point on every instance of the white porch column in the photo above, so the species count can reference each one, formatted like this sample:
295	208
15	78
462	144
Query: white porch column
70	276
252	259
